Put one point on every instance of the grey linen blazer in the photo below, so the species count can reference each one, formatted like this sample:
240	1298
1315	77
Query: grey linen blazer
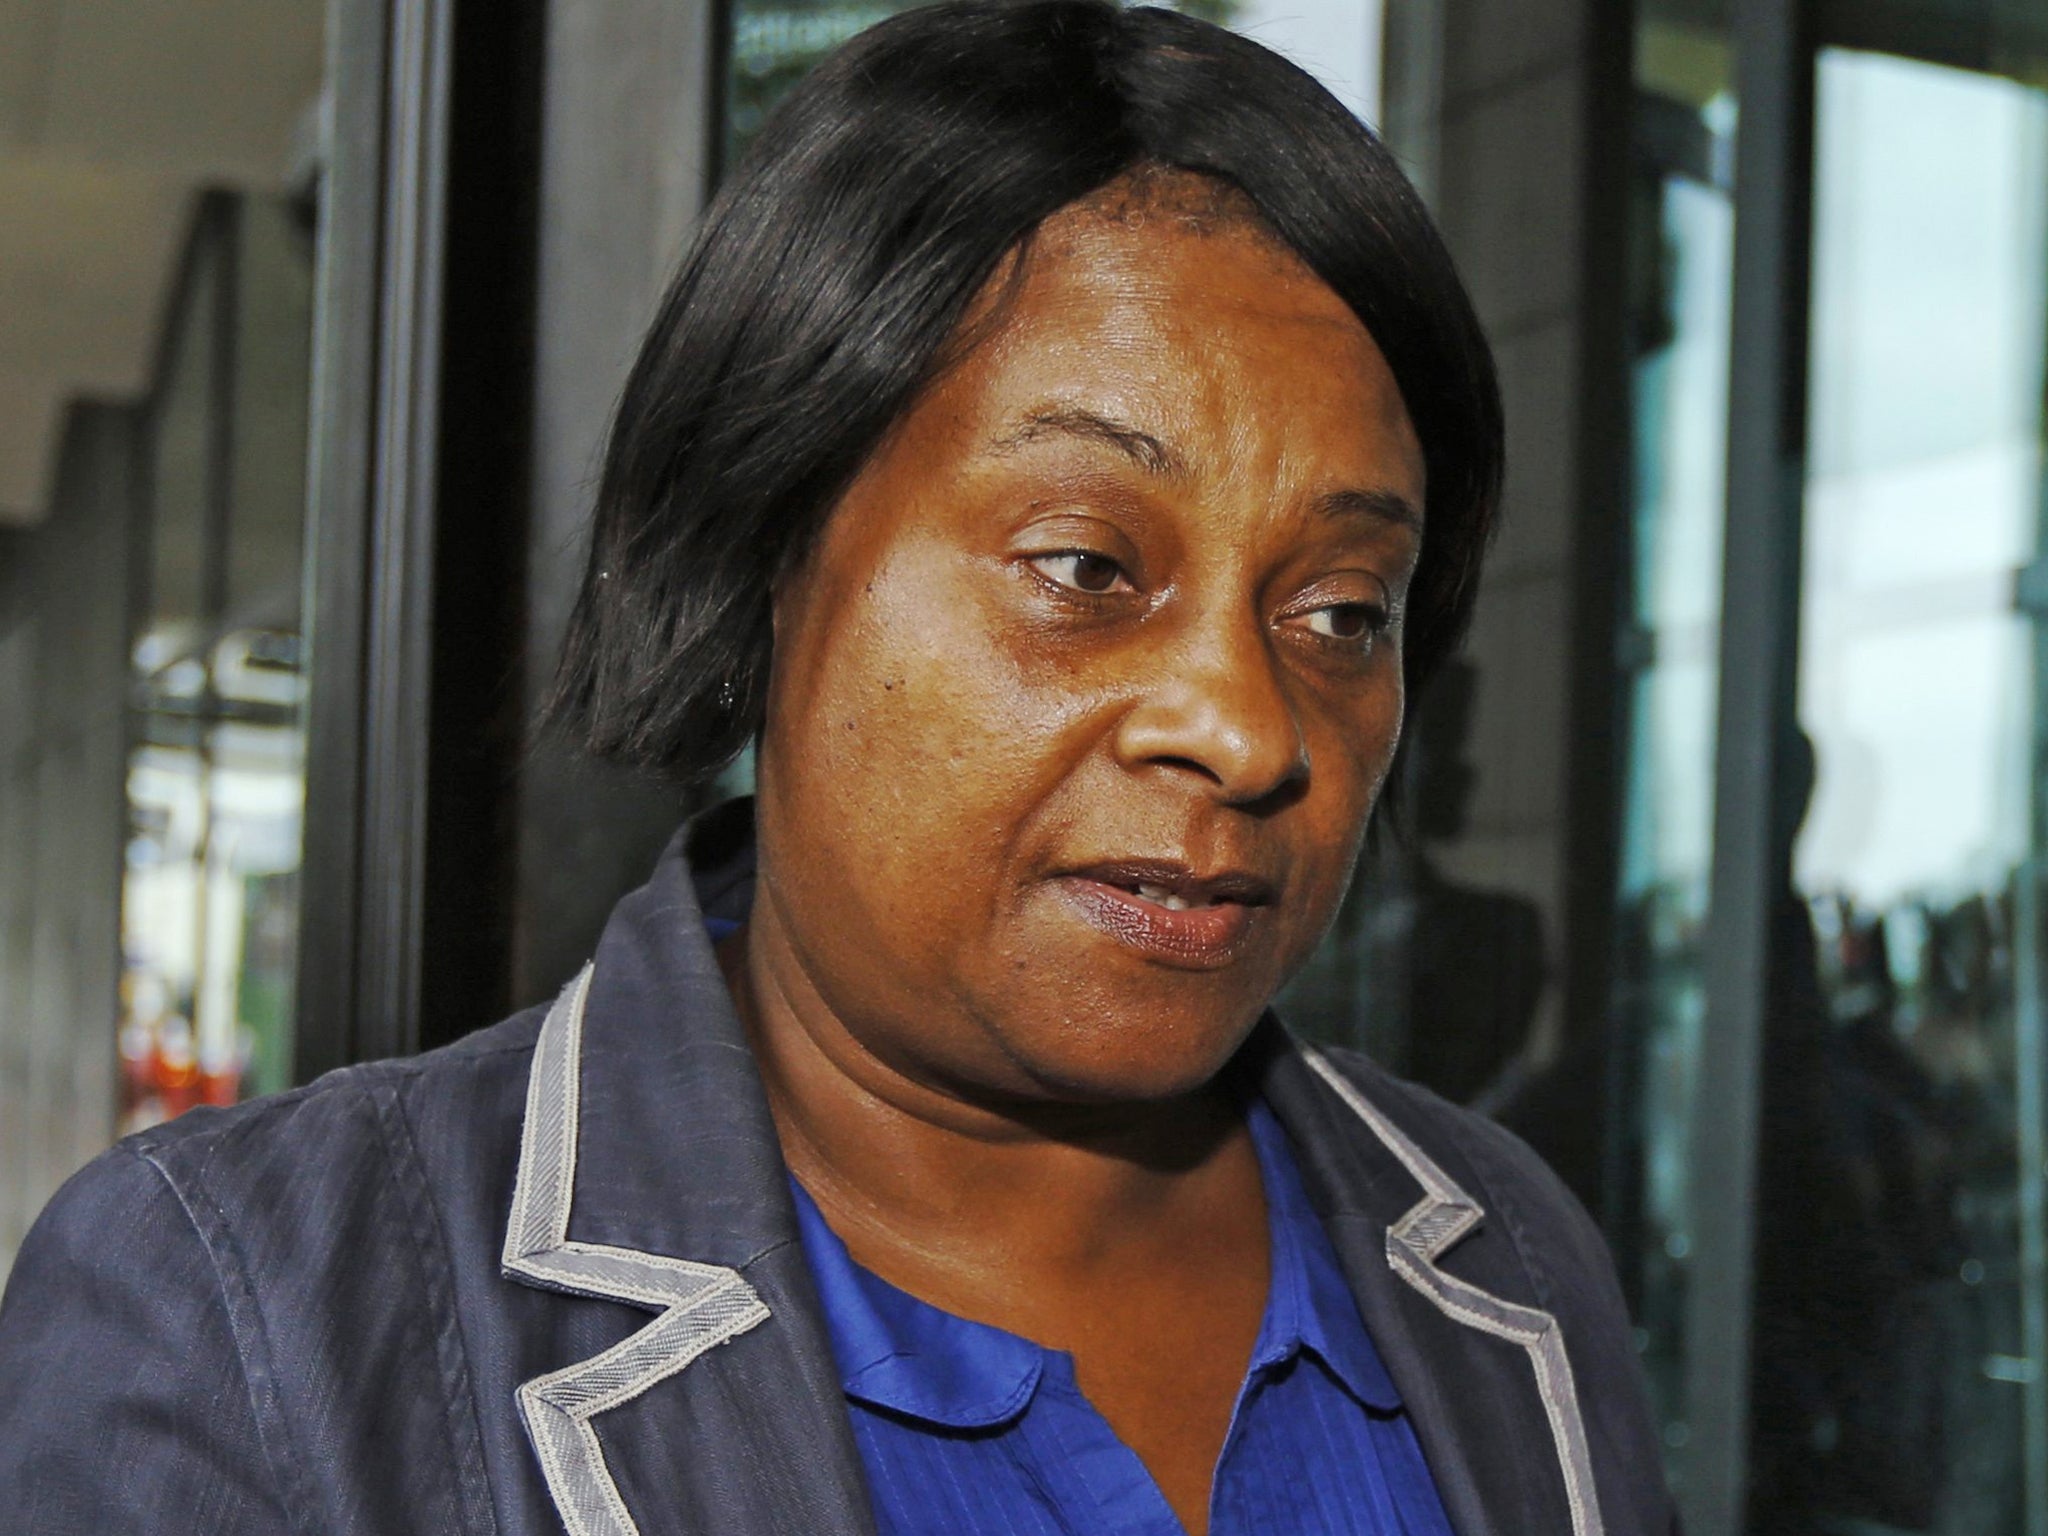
549	1279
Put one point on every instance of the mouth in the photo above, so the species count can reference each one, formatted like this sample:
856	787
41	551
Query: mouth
1169	912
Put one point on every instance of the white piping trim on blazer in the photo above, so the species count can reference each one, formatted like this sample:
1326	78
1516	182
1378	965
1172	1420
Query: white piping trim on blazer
1444	1215
701	1305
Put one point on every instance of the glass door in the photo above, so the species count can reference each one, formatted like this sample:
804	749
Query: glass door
1831	913
1897	1294
1669	663
216	777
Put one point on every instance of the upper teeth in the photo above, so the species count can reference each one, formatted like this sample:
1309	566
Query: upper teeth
1161	896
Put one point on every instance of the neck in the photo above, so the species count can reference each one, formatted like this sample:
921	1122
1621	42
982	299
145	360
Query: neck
919	1172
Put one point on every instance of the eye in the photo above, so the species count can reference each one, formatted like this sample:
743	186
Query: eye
1081	570
1353	622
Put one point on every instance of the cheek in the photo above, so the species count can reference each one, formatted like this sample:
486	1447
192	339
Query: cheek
903	728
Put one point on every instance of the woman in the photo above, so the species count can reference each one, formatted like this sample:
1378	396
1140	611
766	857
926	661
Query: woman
1062	452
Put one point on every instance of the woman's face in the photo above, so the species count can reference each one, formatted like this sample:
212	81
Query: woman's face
1080	705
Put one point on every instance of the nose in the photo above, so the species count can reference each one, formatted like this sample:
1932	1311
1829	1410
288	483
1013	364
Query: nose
1217	707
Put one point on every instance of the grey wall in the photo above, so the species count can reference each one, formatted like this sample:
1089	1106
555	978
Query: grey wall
1499	109
624	166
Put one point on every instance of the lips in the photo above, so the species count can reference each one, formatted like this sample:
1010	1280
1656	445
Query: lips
1168	912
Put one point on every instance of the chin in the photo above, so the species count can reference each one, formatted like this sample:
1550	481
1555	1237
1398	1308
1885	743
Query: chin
1131	1062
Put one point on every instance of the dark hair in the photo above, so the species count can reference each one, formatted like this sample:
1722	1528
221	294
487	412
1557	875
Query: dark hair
839	259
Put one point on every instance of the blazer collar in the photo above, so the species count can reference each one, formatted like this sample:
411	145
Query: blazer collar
677	1152
650	1174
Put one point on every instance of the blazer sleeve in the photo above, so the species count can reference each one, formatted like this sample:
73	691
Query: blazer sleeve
126	1406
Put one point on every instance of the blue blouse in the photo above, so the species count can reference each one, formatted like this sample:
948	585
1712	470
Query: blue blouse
966	1430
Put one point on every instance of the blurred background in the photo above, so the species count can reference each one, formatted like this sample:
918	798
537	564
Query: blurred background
1723	872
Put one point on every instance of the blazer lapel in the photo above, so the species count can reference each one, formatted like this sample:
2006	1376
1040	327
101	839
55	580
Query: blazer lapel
649	1174
1484	1378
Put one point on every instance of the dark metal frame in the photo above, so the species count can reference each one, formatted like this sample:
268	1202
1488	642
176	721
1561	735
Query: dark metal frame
211	260
400	547
417	523
1598	718
1976	35
1758	677
370	519
209	255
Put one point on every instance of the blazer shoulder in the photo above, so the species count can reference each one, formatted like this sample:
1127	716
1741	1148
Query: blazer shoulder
117	1334
248	1299
330	1124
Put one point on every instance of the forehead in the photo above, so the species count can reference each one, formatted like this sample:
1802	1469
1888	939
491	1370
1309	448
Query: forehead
1172	306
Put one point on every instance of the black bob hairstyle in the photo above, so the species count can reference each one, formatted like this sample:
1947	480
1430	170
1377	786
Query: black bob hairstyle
839	259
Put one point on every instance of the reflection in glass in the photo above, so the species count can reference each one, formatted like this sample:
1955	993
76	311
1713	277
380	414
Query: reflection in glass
216	774
1395	977
1897	1335
1685	226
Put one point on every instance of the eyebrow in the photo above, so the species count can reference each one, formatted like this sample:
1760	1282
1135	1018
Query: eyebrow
1155	457
1381	506
1140	447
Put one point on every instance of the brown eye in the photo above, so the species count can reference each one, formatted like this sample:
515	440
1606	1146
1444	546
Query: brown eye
1347	621
1082	570
1093	573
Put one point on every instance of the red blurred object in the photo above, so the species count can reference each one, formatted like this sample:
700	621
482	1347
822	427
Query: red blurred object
162	1074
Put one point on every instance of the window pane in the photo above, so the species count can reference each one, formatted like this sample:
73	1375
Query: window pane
1685	224
159	167
216	775
1897	1287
